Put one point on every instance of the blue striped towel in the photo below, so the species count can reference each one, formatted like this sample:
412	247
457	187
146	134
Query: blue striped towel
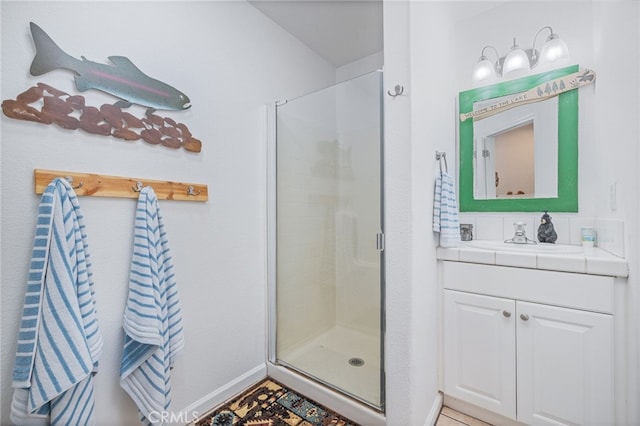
445	211
152	317
59	342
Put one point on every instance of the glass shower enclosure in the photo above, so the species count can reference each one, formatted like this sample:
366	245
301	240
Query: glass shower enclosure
329	239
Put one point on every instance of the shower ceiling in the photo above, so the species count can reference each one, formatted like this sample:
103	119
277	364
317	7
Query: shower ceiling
340	31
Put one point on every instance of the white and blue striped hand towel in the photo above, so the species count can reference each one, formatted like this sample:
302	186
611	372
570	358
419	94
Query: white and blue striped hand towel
445	211
59	342
152	317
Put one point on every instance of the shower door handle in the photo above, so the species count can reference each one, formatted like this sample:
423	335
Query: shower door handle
380	241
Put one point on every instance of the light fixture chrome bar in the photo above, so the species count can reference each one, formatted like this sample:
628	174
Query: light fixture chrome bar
553	52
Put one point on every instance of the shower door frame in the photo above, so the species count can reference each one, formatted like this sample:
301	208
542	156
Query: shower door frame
271	201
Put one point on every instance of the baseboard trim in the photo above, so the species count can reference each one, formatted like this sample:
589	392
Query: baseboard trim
206	404
478	412
432	418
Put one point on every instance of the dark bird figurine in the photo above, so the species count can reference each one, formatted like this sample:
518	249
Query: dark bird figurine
546	233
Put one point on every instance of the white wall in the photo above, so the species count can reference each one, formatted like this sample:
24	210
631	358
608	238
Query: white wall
616	47
230	60
360	67
414	127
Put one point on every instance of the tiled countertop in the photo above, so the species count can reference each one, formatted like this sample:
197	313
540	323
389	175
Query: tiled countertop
593	261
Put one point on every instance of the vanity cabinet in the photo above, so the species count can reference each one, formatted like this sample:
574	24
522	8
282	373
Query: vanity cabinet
564	365
479	351
514	352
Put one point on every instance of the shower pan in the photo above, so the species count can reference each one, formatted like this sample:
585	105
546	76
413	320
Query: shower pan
326	239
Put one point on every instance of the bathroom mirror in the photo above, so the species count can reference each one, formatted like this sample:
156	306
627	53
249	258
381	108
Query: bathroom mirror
522	158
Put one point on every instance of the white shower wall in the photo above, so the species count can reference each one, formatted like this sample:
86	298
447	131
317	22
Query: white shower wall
305	249
328	282
358	291
329	212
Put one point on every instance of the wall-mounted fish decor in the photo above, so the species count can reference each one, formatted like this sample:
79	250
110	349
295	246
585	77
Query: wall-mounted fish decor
122	79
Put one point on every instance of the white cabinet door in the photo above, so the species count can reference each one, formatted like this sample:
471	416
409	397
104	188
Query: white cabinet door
565	366
479	351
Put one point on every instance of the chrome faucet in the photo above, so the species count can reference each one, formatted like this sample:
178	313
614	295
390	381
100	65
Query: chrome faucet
520	236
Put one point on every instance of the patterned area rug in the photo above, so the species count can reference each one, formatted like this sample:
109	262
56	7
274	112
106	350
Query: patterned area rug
271	404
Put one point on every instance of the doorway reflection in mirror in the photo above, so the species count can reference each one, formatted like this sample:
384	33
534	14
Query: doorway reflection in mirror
516	152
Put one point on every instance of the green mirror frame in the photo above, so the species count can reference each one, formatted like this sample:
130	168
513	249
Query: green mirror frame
567	199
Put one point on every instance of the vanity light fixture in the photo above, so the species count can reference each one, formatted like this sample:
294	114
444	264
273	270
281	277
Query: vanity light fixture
486	71
554	49
516	63
520	62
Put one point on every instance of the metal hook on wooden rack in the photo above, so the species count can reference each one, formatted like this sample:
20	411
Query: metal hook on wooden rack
138	187
70	180
190	191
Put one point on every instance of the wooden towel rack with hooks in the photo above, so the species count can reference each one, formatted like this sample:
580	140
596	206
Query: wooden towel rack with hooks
97	185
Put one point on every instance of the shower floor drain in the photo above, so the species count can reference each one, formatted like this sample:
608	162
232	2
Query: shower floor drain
356	362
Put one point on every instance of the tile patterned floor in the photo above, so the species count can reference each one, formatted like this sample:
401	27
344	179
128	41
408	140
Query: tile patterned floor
268	403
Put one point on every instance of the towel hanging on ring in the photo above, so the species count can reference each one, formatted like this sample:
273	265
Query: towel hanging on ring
445	206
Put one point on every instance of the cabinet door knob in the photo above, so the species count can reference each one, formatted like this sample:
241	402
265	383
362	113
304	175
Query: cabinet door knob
506	313
524	317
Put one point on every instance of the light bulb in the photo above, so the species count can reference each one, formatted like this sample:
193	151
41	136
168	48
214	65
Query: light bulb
484	71
555	50
516	62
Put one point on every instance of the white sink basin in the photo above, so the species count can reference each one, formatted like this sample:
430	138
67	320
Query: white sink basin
532	248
